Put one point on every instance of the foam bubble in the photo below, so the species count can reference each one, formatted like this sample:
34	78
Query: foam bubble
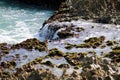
18	23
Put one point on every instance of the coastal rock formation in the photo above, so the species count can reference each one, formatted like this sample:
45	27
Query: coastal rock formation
81	66
83	51
63	14
105	11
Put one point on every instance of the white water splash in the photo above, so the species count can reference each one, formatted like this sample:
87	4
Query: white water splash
24	56
110	32
18	23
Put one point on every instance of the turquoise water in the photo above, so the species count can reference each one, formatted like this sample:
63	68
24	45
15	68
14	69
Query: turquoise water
20	22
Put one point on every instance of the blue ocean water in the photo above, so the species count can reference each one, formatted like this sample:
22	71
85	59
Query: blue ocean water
19	22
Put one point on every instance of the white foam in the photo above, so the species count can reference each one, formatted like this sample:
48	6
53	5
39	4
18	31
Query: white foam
18	24
110	32
56	61
31	55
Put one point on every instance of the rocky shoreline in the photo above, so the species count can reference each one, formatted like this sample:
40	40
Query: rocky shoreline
70	57
73	49
58	65
106	11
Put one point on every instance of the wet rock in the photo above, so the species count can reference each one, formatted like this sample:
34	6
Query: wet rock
64	13
63	66
28	68
106	11
77	67
79	29
73	76
55	52
8	64
94	39
75	59
83	46
95	77
103	46
94	74
38	75
48	30
109	78
48	63
34	62
104	20
30	44
34	75
111	43
93	68
4	64
4	49
69	46
93	42
65	34
116	48
116	76
114	54
17	56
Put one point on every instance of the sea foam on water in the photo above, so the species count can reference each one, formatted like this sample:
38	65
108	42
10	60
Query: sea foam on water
18	23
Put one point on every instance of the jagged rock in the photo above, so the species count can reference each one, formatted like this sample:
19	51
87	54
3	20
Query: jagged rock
100	11
114	54
116	76
73	76
63	66
95	77
48	63
4	49
64	13
109	78
93	42
111	43
65	34
55	52
30	44
75	59
8	64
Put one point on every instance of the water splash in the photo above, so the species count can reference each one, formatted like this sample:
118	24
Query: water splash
20	22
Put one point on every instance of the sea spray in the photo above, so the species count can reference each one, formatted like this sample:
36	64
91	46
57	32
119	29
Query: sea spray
19	22
49	30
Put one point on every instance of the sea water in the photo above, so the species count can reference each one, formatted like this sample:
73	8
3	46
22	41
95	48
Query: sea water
19	22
